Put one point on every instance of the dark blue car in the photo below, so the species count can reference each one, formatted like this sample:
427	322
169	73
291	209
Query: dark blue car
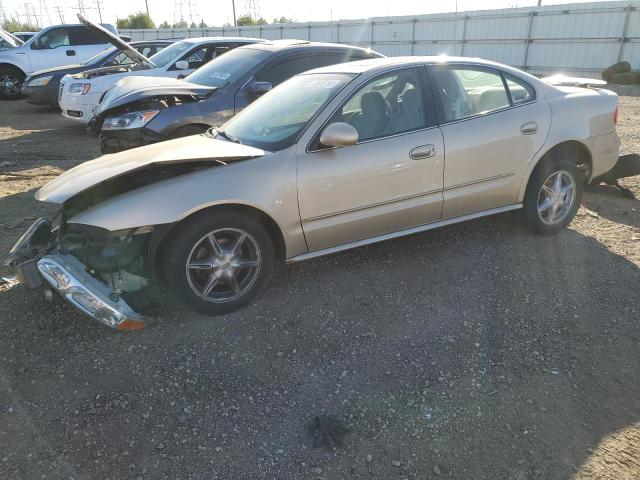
141	110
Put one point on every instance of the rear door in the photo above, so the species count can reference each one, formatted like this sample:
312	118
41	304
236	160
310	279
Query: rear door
53	48
87	42
277	71
493	125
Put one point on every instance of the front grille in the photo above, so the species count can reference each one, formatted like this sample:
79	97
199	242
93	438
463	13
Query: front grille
60	89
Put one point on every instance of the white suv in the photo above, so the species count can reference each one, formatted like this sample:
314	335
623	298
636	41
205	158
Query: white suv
54	46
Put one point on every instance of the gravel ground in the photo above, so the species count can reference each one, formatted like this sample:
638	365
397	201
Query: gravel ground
476	351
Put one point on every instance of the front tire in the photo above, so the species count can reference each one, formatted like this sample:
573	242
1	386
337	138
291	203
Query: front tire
219	261
553	196
10	83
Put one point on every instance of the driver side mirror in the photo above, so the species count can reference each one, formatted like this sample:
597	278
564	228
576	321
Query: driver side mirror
257	89
339	134
181	65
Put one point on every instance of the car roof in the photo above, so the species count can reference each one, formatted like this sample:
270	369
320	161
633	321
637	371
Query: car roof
152	42
220	39
285	44
361	66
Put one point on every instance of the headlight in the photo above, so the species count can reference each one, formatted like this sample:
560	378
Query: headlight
129	120
79	88
40	81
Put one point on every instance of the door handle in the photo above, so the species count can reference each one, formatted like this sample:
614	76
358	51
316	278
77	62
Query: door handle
71	53
529	128
423	151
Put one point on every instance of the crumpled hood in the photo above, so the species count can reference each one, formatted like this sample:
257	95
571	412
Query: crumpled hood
132	89
197	148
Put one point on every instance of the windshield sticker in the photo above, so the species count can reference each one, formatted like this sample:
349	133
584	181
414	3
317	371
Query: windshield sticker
220	75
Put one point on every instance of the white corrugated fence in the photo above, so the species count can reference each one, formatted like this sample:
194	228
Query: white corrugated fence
577	37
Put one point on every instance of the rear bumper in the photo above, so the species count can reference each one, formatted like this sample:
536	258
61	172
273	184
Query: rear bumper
605	150
626	166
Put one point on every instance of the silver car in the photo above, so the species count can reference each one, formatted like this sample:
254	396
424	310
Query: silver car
332	159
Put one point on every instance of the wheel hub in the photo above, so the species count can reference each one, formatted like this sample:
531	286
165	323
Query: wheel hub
223	265
556	197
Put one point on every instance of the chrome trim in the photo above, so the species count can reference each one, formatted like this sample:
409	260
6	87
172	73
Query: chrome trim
402	233
373	205
475	182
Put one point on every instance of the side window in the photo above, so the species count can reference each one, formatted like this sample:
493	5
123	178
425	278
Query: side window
521	92
56	37
84	36
467	91
218	50
387	105
196	58
283	70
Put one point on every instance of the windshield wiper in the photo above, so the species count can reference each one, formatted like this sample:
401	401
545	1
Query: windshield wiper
224	134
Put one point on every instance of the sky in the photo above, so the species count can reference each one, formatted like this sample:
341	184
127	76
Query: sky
219	12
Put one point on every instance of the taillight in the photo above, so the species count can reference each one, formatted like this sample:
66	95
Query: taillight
615	116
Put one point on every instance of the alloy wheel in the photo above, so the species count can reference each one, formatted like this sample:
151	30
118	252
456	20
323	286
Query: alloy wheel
9	84
556	197
223	265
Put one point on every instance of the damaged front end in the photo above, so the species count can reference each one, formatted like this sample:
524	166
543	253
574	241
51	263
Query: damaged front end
90	267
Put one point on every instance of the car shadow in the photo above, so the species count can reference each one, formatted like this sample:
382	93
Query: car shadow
609	202
476	350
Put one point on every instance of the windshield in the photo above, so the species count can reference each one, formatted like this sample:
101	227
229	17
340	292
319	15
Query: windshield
274	121
227	68
164	56
100	56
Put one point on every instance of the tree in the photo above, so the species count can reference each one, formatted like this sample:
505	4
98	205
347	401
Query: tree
139	20
247	19
283	20
202	24
165	24
16	26
181	24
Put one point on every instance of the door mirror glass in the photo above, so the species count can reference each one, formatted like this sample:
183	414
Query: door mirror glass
182	65
257	89
339	134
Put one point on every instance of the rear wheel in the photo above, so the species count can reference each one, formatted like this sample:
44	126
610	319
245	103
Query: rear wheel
219	261
10	83
553	196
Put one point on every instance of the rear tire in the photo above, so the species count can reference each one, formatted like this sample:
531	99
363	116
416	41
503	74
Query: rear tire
221	274
10	83
553	196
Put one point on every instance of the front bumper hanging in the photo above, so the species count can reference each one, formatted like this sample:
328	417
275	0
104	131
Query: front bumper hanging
69	278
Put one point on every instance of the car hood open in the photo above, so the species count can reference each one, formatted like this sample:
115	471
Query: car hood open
117	42
194	149
133	89
10	39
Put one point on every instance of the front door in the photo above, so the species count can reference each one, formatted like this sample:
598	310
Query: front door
54	48
390	180
492	127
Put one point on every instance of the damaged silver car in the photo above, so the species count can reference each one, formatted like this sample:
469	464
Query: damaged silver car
332	159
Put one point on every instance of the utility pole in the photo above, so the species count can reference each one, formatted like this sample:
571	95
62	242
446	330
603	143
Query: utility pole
233	4
59	10
146	4
98	4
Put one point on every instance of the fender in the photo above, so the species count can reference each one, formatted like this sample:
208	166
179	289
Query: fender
241	183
